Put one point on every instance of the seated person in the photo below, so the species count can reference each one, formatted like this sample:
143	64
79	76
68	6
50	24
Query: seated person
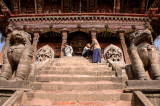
86	51
68	50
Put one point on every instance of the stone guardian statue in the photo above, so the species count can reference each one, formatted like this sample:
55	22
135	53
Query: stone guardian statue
17	56
144	55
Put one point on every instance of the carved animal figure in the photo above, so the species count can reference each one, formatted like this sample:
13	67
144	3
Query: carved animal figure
144	55
17	56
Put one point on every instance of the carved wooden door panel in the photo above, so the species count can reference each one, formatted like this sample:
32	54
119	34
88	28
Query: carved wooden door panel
78	42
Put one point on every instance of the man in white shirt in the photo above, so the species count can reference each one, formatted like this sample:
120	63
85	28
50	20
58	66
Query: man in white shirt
68	50
86	51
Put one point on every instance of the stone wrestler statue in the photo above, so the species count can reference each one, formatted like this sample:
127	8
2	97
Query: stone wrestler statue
17	56
144	55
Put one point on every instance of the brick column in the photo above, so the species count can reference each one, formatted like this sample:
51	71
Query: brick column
35	42
124	47
7	42
64	40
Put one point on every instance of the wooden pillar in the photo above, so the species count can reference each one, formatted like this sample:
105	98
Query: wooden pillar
146	7
114	7
35	42
6	45
35	6
143	6
64	40
124	47
39	6
118	6
93	32
16	6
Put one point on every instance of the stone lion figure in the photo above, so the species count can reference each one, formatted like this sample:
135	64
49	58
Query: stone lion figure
144	55
17	56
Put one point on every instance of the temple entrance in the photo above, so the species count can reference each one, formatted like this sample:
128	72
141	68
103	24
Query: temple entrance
78	41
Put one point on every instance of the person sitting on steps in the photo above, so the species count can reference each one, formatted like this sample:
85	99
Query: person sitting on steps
95	47
68	50
86	51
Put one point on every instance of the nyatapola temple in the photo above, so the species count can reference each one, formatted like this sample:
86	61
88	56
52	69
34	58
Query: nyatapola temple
121	65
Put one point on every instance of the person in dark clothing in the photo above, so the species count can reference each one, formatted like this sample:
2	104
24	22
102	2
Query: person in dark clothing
86	51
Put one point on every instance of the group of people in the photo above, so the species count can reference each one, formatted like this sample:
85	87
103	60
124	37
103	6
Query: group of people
90	50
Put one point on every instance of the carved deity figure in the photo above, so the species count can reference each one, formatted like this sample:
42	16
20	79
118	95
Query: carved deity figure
44	53
17	56
114	53
144	55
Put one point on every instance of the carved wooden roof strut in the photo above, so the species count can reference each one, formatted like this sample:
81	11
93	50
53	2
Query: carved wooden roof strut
4	7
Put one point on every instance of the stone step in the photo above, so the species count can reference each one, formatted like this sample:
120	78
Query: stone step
73	68
79	64
40	102
71	58
80	78
76	86
76	72
80	96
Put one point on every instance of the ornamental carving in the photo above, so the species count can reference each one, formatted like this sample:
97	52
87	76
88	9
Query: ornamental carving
3	6
45	53
114	53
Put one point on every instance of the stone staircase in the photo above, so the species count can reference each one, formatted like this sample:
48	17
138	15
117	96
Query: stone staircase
76	81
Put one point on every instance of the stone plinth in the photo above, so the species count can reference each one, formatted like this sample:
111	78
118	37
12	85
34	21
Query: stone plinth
13	85
143	85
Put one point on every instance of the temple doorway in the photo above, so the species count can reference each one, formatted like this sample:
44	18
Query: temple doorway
78	41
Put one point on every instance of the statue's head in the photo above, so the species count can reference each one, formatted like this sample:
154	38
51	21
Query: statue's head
20	37
141	36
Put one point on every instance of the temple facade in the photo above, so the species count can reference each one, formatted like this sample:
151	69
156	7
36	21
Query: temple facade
35	72
53	22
